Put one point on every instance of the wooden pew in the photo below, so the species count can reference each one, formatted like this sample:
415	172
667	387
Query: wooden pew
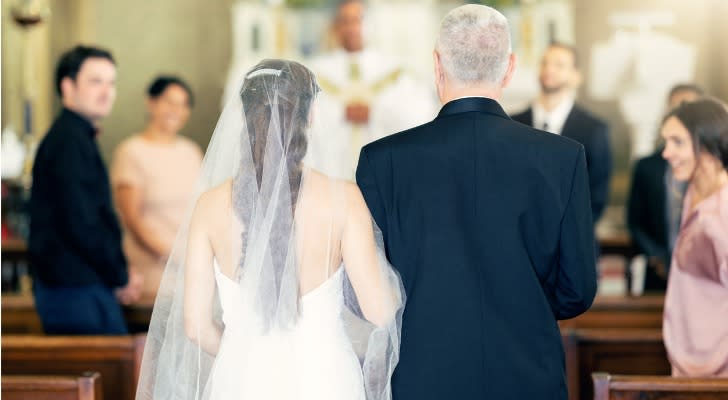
116	358
617	351
15	266
38	387
618	244
636	387
643	312
20	317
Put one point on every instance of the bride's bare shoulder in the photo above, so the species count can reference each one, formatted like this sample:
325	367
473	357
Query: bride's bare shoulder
342	194
336	186
214	201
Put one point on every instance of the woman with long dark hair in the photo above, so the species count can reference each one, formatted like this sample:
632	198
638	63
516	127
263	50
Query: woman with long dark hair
695	325
278	286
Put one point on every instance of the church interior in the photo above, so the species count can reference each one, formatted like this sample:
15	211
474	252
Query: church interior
628	60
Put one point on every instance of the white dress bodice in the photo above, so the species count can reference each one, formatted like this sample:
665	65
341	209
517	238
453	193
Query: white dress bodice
312	360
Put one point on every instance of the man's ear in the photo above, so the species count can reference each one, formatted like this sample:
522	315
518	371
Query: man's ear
439	76
439	73
68	86
509	71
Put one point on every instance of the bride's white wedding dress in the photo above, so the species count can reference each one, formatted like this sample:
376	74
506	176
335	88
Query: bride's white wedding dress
312	360
267	218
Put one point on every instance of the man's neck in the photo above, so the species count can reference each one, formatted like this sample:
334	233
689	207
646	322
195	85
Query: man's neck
451	94
550	101
70	107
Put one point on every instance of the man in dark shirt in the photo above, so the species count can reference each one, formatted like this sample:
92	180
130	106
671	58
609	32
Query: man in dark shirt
79	269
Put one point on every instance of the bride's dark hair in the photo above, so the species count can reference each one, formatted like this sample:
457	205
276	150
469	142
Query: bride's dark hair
290	91
276	96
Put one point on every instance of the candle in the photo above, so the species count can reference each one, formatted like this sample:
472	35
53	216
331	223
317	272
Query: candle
28	116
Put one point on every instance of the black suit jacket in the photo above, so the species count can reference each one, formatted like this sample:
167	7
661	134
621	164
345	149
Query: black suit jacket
488	222
593	133
647	215
75	238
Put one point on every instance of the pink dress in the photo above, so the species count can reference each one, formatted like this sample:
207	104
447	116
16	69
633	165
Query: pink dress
166	175
695	324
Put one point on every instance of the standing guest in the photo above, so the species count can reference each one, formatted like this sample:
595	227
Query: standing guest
655	204
153	177
555	111
683	93
366	95
79	268
695	326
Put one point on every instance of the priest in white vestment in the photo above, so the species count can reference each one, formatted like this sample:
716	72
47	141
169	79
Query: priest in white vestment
365	96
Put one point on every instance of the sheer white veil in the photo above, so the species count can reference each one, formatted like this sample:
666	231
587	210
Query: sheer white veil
246	226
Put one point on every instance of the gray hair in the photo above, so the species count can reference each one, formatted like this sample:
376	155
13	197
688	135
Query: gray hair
474	45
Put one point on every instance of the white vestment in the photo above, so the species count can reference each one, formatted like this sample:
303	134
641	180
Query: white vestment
396	102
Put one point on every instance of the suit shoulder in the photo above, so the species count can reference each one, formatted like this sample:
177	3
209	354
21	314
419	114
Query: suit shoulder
399	138
541	139
586	116
654	160
522	116
59	137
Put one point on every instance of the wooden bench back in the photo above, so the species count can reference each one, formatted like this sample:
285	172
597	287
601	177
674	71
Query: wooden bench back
616	351
636	387
38	387
116	358
21	318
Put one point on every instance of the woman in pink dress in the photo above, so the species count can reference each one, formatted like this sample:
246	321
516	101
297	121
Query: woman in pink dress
695	325
153	177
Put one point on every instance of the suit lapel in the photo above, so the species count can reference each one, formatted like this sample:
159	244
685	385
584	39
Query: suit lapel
661	206
569	129
528	117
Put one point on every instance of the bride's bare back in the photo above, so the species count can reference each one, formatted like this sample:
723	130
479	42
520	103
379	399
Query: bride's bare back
320	218
333	225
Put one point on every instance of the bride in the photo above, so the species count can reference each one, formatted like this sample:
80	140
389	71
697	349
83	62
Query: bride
278	287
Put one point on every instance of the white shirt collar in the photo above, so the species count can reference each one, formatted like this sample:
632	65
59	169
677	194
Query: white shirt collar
471	97
555	119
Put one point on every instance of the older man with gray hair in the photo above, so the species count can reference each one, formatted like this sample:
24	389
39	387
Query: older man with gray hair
488	222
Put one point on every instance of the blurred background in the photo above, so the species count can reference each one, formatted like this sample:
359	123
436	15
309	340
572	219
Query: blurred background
630	54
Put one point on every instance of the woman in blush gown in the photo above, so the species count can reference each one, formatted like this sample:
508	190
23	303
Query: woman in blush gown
695	321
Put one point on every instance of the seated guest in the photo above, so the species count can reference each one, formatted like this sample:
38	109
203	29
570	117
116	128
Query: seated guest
655	201
75	238
153	177
695	324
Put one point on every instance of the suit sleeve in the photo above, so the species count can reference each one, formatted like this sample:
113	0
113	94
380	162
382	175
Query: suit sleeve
600	170
576	283
86	224
365	178
637	212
